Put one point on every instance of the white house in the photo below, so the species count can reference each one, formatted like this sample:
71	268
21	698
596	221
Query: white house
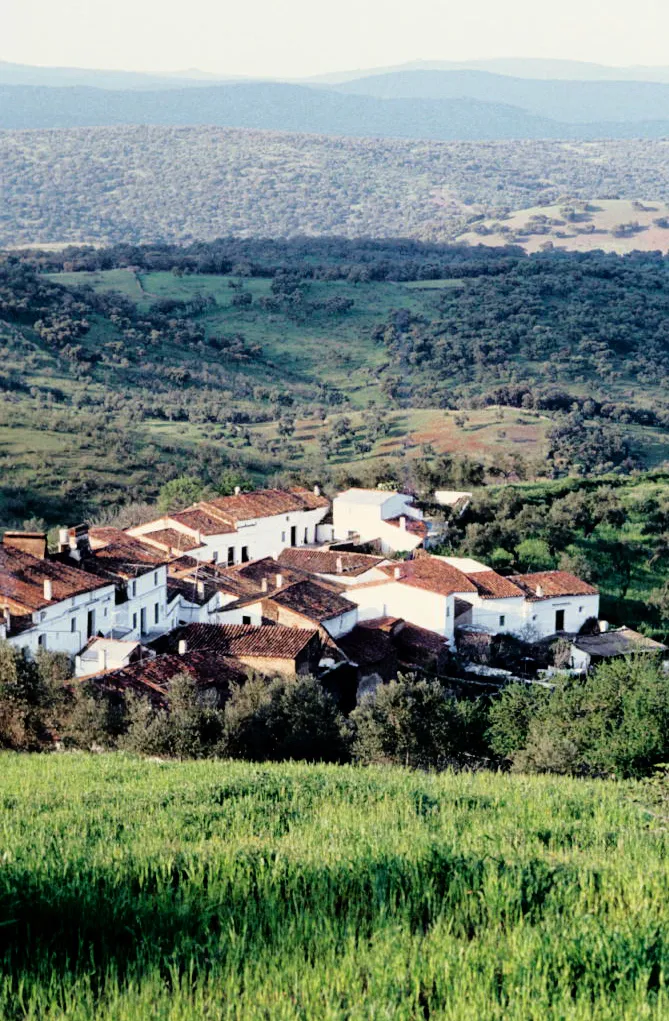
556	601
421	591
363	515
102	654
236	529
48	604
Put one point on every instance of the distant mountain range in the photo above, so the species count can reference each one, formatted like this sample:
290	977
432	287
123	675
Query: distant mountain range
423	101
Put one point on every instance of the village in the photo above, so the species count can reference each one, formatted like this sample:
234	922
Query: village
288	582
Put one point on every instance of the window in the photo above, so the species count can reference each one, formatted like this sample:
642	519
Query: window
156	613
231	555
246	619
283	537
214	558
293	536
580	609
142	620
134	621
502	620
41	641
73	625
90	624
133	589
306	536
155	578
106	611
559	620
245	554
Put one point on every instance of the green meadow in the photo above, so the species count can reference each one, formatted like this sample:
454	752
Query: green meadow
134	890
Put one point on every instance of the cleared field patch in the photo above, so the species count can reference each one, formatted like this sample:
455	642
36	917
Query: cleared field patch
614	225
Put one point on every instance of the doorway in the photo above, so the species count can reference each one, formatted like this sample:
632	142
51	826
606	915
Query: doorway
293	536
559	620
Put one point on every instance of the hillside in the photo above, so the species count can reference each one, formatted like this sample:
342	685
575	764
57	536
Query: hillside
331	357
130	185
242	892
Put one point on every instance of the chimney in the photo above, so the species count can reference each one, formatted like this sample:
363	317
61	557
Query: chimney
183	646
263	585
403	523
48	589
398	573
238	490
33	543
200	588
340	565
198	537
317	490
102	658
279	580
79	541
540	591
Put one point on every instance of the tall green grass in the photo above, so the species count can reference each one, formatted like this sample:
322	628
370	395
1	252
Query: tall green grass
142	890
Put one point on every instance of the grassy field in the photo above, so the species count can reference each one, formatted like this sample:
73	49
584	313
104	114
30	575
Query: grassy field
143	890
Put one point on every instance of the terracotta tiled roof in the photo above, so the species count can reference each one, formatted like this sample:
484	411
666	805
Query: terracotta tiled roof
312	600
430	574
197	592
171	540
265	503
549	584
22	578
491	585
199	520
255	571
314	561
271	641
413	526
418	646
366	646
151	678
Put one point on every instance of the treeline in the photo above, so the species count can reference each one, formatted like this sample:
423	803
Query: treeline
613	722
310	258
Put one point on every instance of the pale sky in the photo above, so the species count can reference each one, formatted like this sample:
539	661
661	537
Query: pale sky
294	38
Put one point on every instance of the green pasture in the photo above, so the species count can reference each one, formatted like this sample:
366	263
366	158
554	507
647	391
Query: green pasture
143	890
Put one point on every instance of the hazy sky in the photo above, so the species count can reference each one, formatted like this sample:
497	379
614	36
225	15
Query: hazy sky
302	37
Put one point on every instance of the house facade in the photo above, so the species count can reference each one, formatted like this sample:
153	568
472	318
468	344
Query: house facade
391	518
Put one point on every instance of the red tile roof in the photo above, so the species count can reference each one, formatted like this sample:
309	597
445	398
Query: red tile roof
198	519
22	578
265	503
152	676
315	561
491	585
171	540
271	641
366	646
312	600
549	584
413	525
429	574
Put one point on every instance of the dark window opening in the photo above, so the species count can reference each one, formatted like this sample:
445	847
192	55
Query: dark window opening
142	620
90	624
231	555
245	554
306	536
559	620
246	619
502	620
293	535
156	613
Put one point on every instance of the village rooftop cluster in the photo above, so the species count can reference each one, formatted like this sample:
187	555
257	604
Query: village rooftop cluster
279	582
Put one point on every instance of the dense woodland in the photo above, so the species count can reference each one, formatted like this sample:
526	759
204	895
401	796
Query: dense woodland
148	184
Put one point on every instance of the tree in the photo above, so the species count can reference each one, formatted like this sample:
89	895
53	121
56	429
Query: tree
284	718
415	723
179	493
233	479
534	555
26	702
